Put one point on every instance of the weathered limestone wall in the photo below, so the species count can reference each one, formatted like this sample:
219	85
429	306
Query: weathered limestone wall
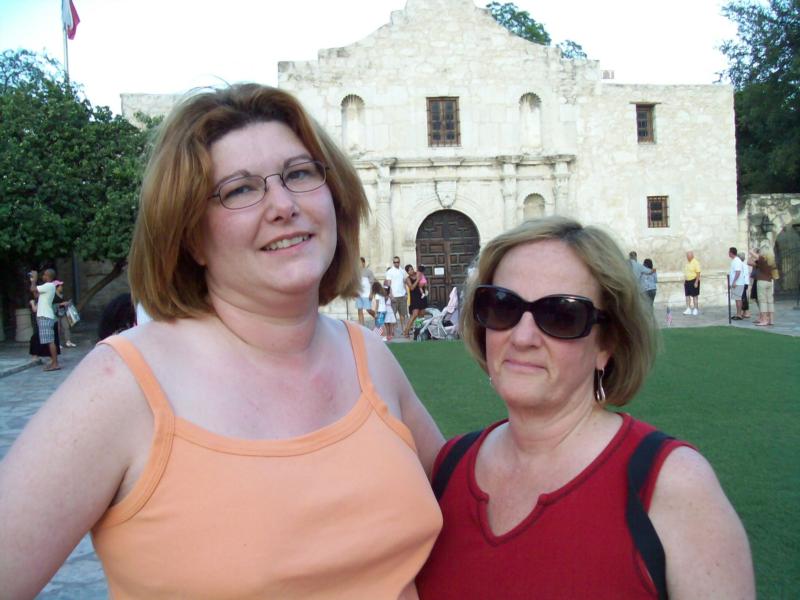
585	162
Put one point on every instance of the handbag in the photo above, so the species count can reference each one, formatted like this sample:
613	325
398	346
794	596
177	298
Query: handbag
73	316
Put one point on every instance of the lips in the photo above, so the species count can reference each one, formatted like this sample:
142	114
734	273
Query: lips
286	242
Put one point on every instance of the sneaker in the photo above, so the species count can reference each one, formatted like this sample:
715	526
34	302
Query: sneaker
688	311
71	345
384	339
695	312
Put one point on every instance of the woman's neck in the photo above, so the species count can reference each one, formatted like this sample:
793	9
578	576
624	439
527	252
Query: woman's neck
534	433
283	331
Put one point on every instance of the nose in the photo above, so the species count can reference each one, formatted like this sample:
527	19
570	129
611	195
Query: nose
279	203
526	332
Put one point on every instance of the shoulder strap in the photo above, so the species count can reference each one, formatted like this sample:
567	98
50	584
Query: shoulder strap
450	460
359	355
142	373
641	528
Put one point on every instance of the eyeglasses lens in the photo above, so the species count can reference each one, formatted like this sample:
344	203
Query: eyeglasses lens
559	317
246	191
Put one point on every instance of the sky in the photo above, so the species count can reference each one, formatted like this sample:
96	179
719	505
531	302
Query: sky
170	46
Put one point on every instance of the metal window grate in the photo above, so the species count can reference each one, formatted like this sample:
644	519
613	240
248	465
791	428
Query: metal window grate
644	122
443	122
658	211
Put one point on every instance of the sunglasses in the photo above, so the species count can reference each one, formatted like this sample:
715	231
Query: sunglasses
561	316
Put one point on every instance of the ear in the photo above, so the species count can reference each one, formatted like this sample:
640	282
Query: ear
194	248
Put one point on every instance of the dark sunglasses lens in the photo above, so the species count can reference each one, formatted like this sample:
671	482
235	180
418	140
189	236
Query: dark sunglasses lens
497	309
562	317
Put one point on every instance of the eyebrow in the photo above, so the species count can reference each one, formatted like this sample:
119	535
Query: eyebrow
288	162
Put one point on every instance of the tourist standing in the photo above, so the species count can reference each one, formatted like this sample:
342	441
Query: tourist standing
736	280
397	285
60	305
45	317
766	273
648	280
367	279
691	284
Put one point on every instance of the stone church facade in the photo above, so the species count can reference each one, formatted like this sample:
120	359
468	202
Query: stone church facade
460	130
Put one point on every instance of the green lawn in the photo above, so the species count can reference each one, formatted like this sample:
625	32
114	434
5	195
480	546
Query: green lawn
734	394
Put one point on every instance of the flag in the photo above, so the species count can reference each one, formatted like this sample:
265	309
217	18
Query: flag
70	18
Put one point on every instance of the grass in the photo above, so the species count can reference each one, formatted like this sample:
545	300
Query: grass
734	394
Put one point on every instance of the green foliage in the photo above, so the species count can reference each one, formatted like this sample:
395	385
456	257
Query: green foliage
764	68
520	23
70	171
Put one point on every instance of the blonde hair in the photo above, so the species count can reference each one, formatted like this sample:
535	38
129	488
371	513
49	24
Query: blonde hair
629	334
177	183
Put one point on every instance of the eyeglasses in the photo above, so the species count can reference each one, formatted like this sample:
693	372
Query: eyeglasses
560	316
242	192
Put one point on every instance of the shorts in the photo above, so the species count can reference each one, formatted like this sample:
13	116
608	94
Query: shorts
47	330
766	296
737	291
379	320
400	306
689	289
363	303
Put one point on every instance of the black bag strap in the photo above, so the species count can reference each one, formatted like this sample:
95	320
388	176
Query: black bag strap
451	460
642	531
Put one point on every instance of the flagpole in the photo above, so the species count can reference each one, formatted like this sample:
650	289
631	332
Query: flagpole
66	49
76	292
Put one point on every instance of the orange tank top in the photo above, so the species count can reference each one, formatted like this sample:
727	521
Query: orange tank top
343	512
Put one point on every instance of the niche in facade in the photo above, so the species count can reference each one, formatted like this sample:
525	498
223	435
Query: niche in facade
533	207
530	122
353	123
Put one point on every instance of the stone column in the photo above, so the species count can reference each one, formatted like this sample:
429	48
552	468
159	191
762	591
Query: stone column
560	186
383	216
509	193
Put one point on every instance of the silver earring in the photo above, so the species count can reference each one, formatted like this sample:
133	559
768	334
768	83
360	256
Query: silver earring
599	392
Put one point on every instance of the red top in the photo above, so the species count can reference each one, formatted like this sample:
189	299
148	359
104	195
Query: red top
574	543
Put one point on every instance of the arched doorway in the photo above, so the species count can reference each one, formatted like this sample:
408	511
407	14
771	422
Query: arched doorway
787	259
447	241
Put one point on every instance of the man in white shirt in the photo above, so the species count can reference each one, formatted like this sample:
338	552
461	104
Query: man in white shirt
45	317
736	281
397	281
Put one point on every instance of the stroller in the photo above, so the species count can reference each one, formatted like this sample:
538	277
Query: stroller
440	324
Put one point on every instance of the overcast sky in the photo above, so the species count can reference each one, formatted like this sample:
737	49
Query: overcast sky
169	46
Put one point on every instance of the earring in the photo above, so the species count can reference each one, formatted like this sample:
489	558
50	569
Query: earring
599	392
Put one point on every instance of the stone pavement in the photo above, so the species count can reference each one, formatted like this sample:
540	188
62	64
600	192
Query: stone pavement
24	387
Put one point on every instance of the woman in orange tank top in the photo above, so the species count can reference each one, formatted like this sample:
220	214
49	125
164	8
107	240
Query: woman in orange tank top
239	445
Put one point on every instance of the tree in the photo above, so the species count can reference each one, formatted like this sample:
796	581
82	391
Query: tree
69	172
764	68
521	24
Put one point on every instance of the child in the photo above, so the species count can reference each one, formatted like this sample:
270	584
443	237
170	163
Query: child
378	310
423	281
390	318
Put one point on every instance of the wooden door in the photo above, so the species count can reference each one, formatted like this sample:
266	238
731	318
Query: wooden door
447	241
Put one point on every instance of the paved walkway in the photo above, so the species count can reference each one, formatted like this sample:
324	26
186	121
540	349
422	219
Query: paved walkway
24	387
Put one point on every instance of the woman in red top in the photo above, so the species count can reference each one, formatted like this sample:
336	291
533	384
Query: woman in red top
536	508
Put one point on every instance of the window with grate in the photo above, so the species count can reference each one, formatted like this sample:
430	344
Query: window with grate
657	211
644	122
443	122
